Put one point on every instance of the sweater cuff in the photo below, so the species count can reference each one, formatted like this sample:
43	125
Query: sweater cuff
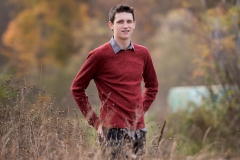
96	123
146	106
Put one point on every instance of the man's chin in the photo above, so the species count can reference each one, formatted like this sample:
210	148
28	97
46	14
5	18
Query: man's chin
125	37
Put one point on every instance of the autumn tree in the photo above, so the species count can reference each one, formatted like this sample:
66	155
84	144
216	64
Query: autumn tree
217	59
219	46
41	34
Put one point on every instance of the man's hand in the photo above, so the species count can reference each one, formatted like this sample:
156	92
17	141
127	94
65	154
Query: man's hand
100	131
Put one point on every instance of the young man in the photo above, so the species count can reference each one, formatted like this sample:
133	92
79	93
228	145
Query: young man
118	67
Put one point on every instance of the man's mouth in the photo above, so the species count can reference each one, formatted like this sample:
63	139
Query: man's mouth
125	31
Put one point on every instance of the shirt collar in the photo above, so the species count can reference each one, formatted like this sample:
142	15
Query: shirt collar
116	47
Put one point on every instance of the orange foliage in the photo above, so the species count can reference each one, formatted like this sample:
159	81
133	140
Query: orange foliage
41	34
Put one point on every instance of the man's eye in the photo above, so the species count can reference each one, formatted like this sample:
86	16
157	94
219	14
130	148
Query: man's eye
120	22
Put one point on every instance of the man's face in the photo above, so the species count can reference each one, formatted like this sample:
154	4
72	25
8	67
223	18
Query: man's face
122	26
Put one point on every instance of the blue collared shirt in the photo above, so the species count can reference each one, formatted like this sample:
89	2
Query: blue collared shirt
116	47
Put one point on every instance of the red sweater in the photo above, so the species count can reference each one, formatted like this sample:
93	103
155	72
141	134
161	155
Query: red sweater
118	79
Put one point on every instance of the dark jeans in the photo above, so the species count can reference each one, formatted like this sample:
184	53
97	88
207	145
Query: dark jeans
117	144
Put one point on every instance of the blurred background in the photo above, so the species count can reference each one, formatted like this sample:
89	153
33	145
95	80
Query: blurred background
195	46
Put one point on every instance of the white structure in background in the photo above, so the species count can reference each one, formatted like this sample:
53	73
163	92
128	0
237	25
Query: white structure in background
182	97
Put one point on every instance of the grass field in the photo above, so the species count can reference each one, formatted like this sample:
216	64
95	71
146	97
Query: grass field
33	128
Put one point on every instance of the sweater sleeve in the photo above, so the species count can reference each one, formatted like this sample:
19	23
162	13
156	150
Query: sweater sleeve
87	72
151	83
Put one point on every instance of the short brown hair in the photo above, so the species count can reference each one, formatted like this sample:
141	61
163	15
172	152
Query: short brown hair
118	9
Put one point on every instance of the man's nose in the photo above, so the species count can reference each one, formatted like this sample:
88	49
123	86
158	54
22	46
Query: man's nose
125	24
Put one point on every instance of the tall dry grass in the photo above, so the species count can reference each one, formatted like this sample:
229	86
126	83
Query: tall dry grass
32	127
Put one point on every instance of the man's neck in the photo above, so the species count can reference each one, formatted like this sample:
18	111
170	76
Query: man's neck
123	44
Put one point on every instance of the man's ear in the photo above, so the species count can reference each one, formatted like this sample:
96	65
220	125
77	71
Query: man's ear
110	24
134	23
